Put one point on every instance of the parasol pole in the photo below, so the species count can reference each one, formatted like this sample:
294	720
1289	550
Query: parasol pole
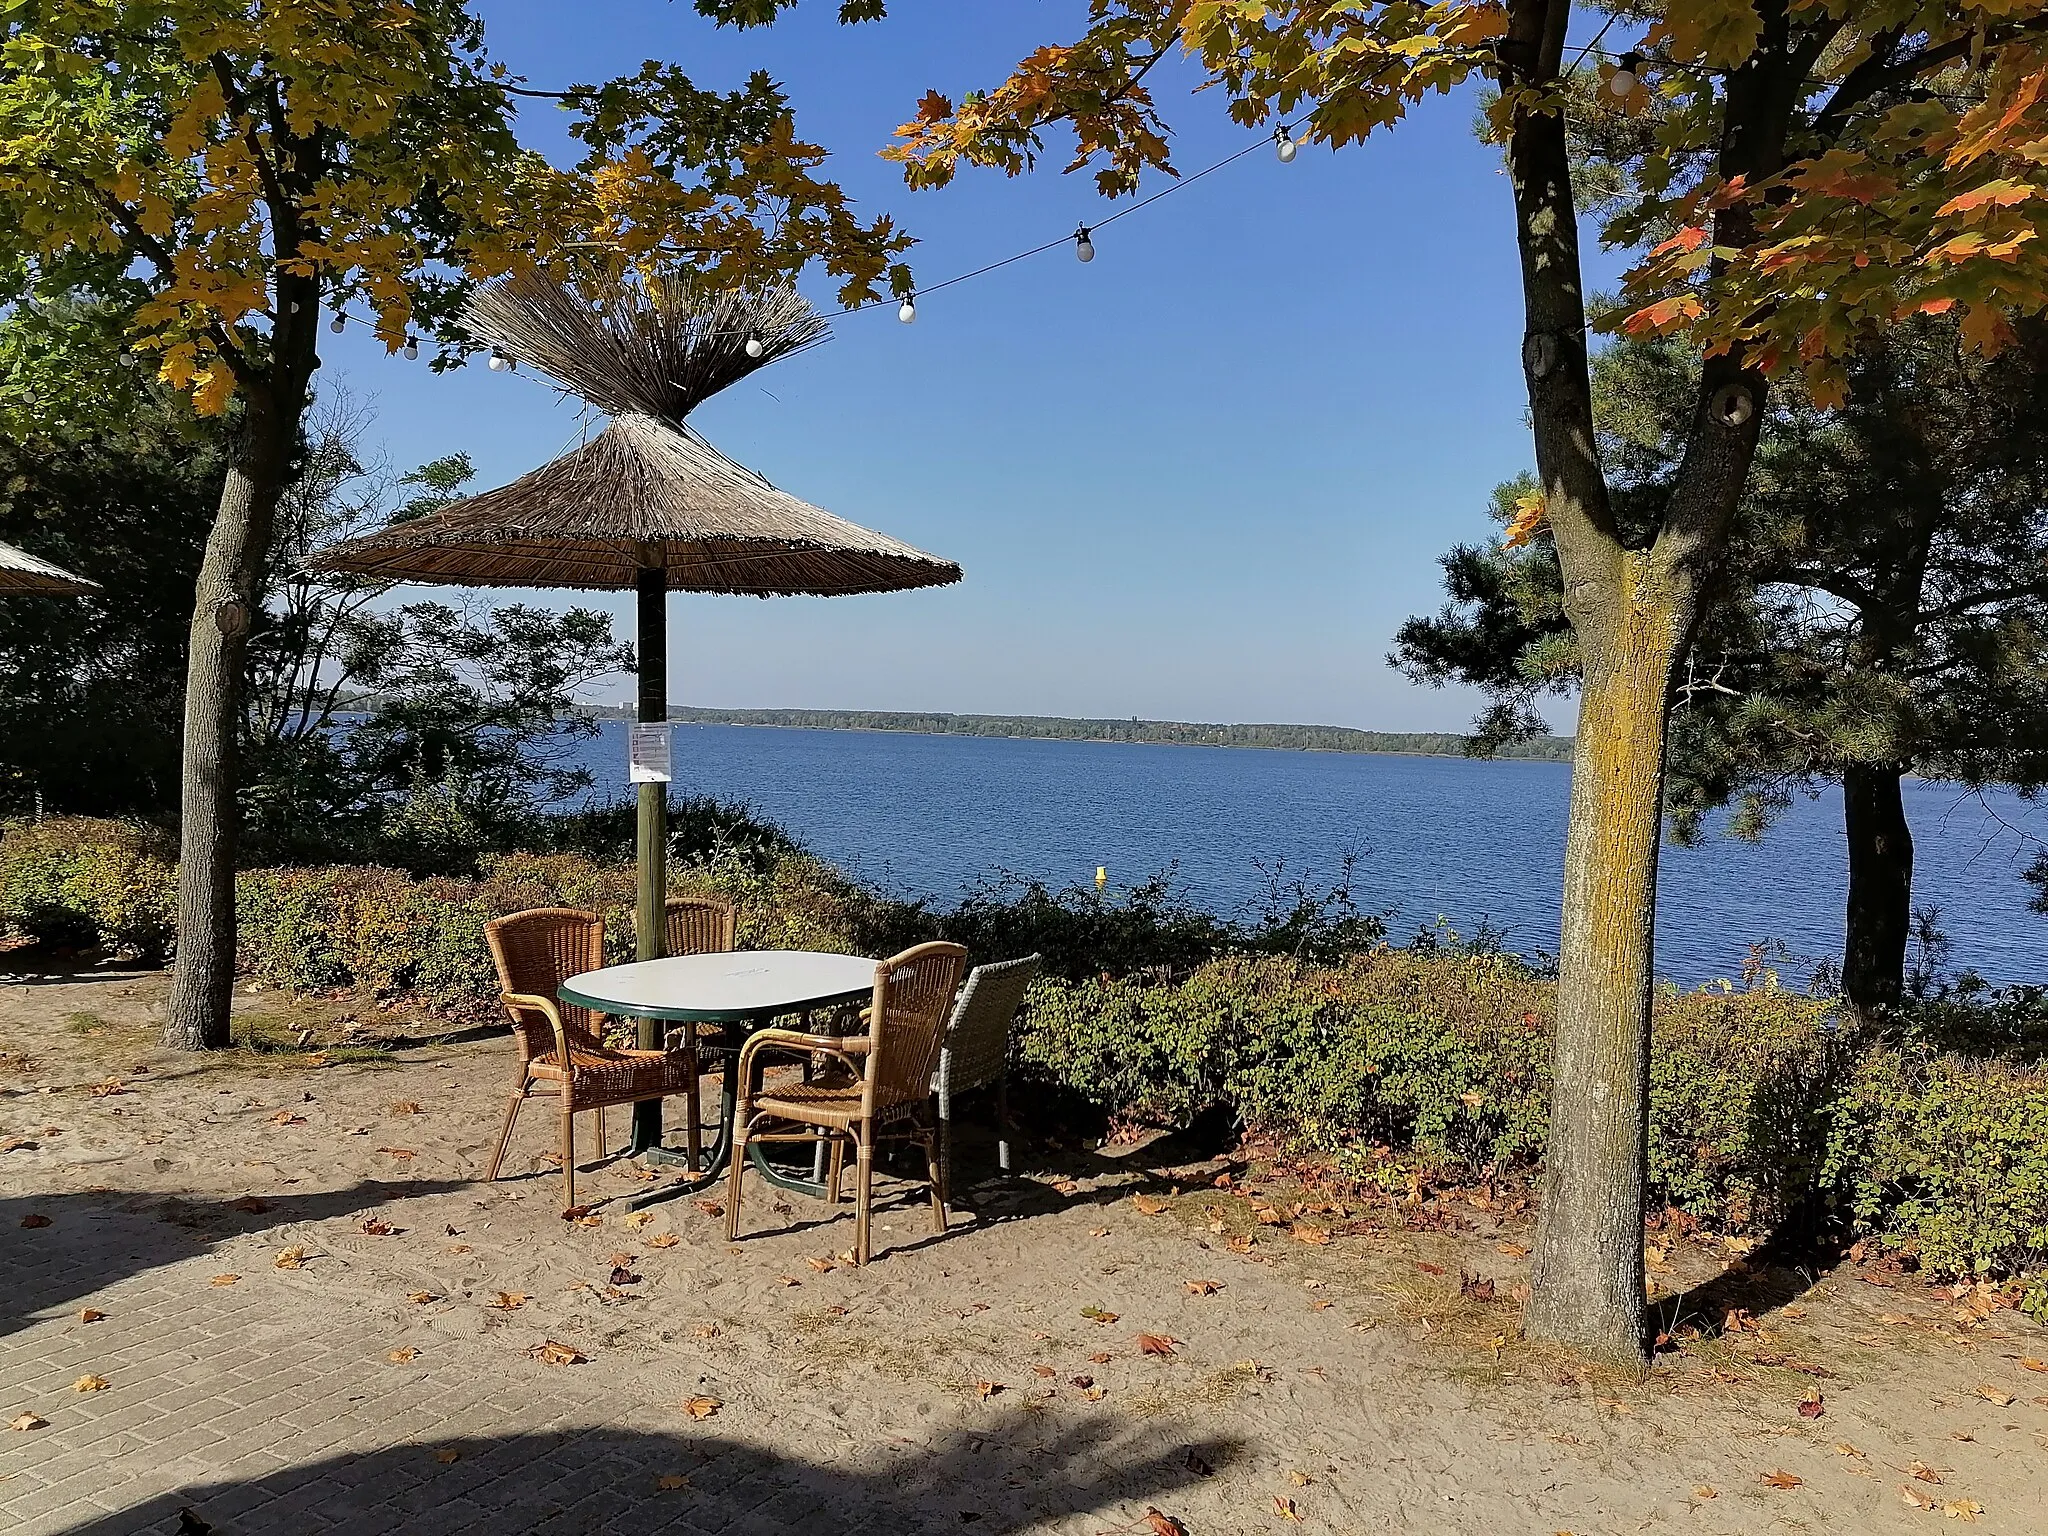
650	920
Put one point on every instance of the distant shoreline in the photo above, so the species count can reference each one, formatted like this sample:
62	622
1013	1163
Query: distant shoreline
1164	733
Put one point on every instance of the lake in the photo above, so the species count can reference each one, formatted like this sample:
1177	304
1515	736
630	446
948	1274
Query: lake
1436	837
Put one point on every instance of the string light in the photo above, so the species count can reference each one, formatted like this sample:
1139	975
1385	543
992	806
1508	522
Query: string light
1284	145
499	362
412	348
1628	74
755	346
339	323
1084	248
908	313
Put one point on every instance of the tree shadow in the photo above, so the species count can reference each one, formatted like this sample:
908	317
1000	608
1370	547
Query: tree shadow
84	1242
611	1480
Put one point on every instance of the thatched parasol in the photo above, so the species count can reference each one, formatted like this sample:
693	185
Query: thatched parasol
22	574
647	504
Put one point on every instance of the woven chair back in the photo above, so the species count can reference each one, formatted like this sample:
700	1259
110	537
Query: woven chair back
913	996
700	925
536	952
977	1044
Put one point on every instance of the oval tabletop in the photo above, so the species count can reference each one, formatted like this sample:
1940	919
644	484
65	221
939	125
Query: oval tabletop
746	984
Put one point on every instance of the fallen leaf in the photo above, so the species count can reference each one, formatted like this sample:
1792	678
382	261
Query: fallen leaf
1044	1370
1782	1479
286	1117
1924	1472
1512	1250
223	1279
1098	1232
404	1356
421	1298
90	1315
293	1257
1100	1357
403	1154
554	1352
704	1331
405	1107
1066	1187
1097	1315
249	1205
447	1456
1995	1396
1083	1382
1284	1508
702	1407
822	1266
623	1276
1204	1287
1298	1478
708	1207
1429	1269
1813	1405
374	1227
1303	1233
1151	1205
669	1482
2029	1363
1843	1448
1096	1394
90	1384
1163	1525
1962	1509
510	1301
35	1219
27	1421
1243	1244
988	1389
1913	1496
663	1240
787	1280
1156	1344
1703	1491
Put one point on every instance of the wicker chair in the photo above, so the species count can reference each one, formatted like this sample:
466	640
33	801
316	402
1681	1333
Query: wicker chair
976	1050
883	1092
700	925
561	1050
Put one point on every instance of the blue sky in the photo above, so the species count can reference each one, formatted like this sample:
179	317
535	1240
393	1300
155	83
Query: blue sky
1204	477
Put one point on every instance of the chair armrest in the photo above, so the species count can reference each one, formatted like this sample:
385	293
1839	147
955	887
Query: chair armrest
845	1046
546	1007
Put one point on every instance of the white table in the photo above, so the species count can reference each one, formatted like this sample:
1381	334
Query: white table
744	988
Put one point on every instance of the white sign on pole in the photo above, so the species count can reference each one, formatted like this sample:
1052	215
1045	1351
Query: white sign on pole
648	755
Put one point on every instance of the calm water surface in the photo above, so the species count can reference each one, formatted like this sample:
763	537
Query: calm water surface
1435	837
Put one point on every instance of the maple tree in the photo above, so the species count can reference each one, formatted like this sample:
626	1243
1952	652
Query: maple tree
1792	175
227	168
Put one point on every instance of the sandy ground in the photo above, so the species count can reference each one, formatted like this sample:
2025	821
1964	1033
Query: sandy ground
1312	1357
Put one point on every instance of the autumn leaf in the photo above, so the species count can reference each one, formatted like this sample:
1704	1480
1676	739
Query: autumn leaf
988	1389
1781	1479
286	1117
1704	1491
1303	1233
1962	1509
223	1279
447	1456
403	1154
822	1266
1512	1250
1910	1495
1284	1508
404	1356
1428	1268
708	1207
1995	1395
1813	1405
669	1482
634	1220
1532	510
554	1352
1924	1472
1203	1287
1151	1205
1156	1344
1100	1357
293	1257
1097	1315
1163	1525
421	1298
787	1281
1045	1371
2029	1363
704	1331
510	1301
663	1240
91	1384
375	1227
35	1219
702	1407
90	1315
24	1422
405	1107
249	1205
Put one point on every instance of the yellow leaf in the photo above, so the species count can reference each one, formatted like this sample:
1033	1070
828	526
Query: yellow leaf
702	1407
403	1356
1531	511
669	1482
90	1384
27	1421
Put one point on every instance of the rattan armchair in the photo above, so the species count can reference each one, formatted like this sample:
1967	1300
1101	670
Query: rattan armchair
976	1049
561	1050
882	1092
700	925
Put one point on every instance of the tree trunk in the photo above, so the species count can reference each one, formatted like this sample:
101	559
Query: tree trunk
202	979
1587	1286
1880	912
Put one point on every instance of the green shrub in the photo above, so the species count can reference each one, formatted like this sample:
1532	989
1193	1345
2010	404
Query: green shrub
74	880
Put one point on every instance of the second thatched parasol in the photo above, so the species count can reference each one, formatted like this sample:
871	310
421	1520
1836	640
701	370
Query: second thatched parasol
647	504
25	575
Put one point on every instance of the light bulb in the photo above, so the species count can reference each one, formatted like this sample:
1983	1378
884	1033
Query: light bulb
339	323
295	306
1285	147
908	313
129	360
755	346
499	363
1084	248
1627	74
412	348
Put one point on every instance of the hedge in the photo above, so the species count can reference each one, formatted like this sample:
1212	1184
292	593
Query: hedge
1762	1106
